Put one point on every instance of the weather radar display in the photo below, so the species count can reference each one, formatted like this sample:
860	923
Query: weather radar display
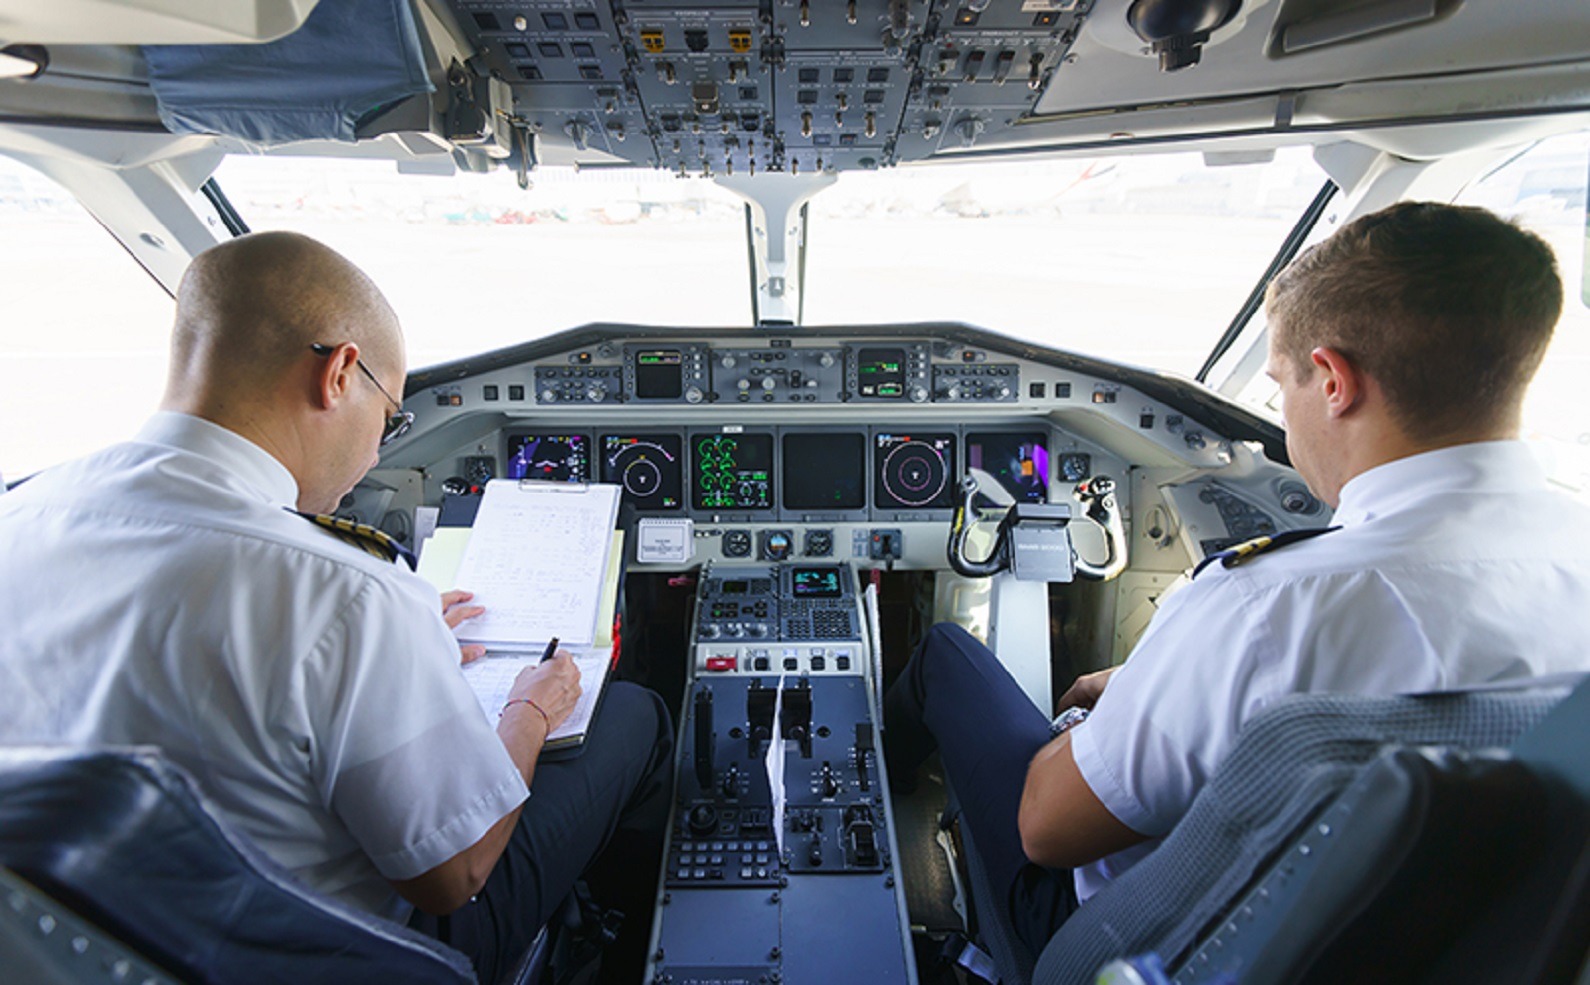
915	471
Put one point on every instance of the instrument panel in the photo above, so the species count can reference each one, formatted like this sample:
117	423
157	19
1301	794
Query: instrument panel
813	444
795	473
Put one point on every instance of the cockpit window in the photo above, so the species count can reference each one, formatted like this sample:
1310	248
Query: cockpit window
1542	189
83	354
1141	259
471	262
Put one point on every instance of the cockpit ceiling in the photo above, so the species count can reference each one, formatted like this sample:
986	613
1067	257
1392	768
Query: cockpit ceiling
736	88
742	87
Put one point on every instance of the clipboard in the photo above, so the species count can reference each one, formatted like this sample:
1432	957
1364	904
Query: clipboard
535	544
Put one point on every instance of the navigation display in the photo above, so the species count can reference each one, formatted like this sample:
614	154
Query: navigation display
732	471
815	583
659	374
880	372
1017	461
914	471
553	457
648	466
825	471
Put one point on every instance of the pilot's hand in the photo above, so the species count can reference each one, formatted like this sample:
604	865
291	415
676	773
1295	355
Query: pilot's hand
554	686
454	612
1087	690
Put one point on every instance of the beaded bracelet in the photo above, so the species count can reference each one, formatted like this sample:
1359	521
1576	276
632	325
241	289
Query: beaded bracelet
526	701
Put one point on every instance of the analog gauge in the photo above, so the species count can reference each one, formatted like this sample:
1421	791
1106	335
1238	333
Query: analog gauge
1074	466
777	545
736	543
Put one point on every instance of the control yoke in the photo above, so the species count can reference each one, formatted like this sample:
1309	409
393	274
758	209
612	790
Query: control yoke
1034	541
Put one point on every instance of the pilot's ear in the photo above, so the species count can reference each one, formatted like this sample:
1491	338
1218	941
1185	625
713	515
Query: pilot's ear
335	375
1342	384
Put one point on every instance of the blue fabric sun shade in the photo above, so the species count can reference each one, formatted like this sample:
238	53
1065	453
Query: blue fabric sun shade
350	60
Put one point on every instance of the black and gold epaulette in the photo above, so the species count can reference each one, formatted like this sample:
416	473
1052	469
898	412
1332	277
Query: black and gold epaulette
1248	550
376	543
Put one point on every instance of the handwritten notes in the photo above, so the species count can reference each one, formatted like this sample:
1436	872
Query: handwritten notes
536	560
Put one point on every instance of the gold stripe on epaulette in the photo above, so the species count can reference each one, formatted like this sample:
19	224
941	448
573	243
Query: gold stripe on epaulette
373	542
1247	549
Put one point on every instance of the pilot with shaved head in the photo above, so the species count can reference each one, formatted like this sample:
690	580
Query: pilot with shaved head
177	590
1403	346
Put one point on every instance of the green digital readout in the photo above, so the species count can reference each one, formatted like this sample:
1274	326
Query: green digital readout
732	471
880	372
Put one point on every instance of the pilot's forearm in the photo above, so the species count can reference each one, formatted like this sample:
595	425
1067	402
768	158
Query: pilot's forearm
1063	823
450	885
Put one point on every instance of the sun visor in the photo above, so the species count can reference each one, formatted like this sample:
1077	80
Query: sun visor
351	60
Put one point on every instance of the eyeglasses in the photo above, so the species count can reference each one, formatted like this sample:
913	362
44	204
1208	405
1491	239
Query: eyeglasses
401	420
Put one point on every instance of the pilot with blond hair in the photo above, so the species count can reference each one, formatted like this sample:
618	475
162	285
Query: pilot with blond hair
1403	347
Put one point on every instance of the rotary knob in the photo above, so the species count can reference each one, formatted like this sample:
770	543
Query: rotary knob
919	395
825	360
549	396
710	632
693	395
703	820
596	392
769	382
727	362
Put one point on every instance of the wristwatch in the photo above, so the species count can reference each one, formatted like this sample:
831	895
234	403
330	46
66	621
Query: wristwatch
1068	719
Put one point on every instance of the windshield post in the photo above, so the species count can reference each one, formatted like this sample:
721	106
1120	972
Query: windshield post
777	240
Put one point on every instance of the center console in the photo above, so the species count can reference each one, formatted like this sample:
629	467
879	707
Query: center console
781	849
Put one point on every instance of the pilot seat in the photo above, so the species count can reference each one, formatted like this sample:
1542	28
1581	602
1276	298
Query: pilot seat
113	868
1439	837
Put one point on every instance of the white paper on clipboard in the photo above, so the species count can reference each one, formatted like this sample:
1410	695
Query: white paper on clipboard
536	559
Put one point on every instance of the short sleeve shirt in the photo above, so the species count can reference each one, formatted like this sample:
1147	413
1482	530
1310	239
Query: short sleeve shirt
1451	568
159	592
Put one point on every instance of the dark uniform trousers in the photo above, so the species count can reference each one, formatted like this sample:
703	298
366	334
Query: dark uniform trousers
955	696
616	790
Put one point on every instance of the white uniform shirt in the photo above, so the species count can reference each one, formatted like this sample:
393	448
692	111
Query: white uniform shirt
157	592
1452	568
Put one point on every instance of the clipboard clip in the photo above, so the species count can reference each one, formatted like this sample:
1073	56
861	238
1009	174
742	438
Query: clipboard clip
551	486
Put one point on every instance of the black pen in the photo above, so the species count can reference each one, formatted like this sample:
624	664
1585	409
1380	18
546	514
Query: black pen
552	647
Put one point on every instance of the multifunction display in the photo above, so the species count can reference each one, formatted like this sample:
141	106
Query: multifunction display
825	471
553	457
659	374
732	471
816	583
1019	462
880	372
648	466
914	471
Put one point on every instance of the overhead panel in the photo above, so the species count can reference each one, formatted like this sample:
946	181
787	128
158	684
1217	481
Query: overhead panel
718	87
